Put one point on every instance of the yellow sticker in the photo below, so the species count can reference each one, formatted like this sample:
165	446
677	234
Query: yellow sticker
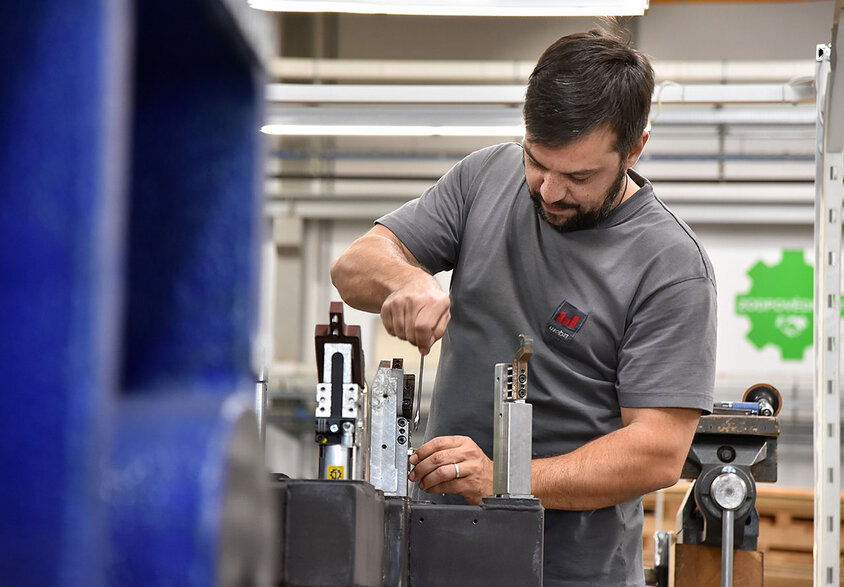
335	473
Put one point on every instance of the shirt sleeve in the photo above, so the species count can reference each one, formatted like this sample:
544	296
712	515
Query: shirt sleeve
431	226
667	355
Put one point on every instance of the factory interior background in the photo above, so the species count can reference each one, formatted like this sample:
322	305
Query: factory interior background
742	176
166	234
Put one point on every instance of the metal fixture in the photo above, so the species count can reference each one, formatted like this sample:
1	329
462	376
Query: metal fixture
513	437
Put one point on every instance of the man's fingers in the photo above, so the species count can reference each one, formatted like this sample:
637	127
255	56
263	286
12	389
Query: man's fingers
417	316
430	325
436	458
443	474
387	321
442	323
435	445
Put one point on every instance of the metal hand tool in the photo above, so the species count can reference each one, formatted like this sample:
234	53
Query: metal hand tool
418	415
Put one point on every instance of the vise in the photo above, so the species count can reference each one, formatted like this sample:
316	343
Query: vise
733	448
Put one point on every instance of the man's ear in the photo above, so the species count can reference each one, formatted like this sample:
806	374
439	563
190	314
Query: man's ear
637	148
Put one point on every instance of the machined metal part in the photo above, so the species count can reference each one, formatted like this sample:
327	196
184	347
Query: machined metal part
351	397
344	349
363	435
520	368
402	441
408	393
728	489
342	436
727	553
513	429
323	398
736	439
700	518
729	492
335	462
261	404
388	462
382	449
662	559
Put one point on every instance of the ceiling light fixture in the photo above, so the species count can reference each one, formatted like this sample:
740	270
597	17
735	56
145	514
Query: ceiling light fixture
461	7
392	130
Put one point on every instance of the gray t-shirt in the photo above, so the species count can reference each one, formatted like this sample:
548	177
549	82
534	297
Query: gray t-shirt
622	315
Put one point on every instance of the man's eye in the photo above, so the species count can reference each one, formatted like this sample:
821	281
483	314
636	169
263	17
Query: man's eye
580	179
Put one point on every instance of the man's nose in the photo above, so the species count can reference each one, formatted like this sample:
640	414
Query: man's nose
553	188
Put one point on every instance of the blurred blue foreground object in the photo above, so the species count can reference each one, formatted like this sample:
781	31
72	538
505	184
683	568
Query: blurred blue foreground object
129	201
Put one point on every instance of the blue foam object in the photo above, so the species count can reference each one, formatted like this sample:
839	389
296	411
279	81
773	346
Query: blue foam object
129	199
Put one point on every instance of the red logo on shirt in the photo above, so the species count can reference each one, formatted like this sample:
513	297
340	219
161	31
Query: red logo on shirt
566	321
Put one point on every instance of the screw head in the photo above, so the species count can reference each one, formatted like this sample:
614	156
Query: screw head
726	454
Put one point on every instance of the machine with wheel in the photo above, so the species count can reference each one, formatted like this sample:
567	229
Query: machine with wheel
718	525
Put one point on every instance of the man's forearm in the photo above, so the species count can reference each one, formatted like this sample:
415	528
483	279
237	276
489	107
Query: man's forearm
379	274
371	269
624	464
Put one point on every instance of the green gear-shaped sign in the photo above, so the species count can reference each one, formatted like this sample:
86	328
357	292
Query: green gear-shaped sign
779	305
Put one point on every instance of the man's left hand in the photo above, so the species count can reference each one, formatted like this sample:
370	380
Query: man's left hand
435	471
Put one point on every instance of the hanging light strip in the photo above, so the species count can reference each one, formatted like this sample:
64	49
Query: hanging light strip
392	131
462	8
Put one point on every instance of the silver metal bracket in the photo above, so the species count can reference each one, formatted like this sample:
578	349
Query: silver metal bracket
513	440
388	457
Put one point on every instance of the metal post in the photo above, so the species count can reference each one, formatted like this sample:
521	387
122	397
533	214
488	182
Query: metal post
828	204
727	529
261	405
729	493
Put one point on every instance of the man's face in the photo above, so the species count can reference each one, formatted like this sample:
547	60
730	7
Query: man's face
576	186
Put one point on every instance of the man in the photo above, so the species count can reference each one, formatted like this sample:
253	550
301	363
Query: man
558	239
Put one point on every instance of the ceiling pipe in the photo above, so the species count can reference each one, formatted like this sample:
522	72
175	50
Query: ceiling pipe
398	70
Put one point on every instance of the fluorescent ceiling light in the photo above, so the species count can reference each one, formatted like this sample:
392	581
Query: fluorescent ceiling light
462	7
392	130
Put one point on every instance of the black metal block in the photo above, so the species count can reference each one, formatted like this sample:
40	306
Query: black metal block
331	533
499	543
396	521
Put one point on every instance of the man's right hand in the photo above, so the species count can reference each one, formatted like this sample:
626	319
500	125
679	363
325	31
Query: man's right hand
418	313
379	273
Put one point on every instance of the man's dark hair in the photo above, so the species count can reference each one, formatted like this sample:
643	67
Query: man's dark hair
583	82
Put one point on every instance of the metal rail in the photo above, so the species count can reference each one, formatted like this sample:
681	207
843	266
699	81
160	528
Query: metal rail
828	207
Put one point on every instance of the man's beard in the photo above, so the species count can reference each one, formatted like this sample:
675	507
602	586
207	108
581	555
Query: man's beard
583	219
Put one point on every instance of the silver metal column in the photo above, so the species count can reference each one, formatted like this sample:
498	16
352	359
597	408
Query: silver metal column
513	438
728	491
261	405
828	205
